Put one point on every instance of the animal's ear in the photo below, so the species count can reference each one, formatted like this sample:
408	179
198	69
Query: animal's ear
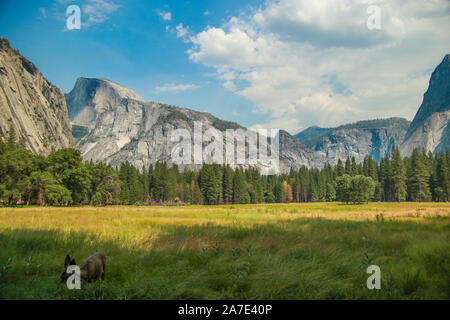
73	263
67	261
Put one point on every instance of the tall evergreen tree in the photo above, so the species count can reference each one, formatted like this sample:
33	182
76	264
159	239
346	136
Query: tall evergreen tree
240	192
385	179
398	176
227	185
279	192
348	167
442	178
354	167
340	169
419	177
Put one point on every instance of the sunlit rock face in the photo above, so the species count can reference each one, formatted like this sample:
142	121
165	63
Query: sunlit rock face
430	129
31	105
91	98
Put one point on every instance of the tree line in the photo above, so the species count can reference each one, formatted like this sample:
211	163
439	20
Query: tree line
64	179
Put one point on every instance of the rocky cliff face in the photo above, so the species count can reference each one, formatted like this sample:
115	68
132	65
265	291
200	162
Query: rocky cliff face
371	137
122	127
294	155
94	97
31	105
430	129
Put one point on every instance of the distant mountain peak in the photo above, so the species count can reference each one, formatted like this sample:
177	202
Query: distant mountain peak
90	95
437	97
122	90
430	129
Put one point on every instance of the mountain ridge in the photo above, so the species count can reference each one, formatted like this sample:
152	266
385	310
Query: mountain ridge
358	139
125	129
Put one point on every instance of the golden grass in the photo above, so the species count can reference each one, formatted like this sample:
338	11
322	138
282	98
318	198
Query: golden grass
145	224
110	218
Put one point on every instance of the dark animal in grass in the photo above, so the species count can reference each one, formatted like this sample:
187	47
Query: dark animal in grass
90	270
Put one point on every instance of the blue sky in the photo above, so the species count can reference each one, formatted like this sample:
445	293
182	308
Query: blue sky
282	64
131	47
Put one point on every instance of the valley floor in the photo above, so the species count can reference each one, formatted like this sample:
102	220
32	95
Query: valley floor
279	251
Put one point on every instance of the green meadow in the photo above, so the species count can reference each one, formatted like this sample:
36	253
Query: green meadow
280	251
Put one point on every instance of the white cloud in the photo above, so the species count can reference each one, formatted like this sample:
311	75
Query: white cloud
97	11
182	32
315	62
166	16
175	88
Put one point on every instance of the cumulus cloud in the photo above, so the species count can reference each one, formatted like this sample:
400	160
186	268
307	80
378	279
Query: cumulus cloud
316	62
175	88
332	23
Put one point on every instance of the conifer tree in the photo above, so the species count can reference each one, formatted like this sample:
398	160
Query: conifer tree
296	188
279	192
227	185
197	197
398	176
124	195
419	177
354	166
150	182
314	190
348	167
187	193
340	170
240	192
385	179
442	177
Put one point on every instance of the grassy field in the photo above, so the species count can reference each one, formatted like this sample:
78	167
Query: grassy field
283	251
